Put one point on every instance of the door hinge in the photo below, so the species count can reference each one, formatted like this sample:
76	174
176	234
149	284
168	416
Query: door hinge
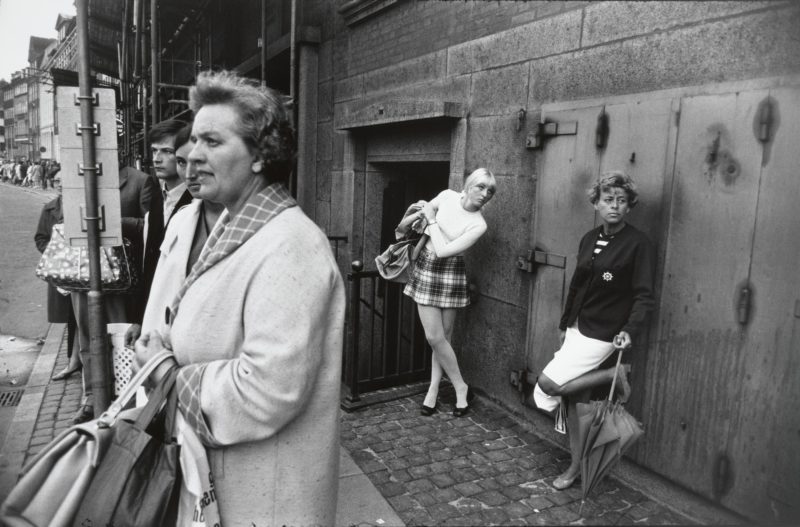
536	138
535	258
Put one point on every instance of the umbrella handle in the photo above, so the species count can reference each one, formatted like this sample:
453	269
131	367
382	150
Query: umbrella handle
614	380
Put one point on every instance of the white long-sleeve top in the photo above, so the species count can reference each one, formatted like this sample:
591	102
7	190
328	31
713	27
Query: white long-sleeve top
458	229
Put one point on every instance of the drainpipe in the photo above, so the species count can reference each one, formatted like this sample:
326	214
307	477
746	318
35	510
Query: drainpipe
142	81
98	341
155	64
125	88
293	88
263	42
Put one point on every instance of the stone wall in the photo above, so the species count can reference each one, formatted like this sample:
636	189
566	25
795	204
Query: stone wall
498	58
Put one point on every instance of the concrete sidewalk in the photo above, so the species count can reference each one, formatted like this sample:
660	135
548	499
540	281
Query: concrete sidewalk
47	406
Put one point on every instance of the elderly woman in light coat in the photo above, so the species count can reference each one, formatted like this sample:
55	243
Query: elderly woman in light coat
256	328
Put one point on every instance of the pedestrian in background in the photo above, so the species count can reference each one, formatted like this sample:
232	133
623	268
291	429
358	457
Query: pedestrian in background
609	300
438	282
59	306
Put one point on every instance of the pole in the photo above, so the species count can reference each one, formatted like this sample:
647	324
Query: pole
155	65
293	89
98	341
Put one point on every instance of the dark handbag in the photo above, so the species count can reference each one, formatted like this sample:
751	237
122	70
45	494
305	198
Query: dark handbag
67	267
138	482
55	482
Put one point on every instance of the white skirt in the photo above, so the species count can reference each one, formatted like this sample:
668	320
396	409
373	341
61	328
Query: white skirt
578	355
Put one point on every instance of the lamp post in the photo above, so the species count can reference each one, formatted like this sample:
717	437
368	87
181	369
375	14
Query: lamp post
98	346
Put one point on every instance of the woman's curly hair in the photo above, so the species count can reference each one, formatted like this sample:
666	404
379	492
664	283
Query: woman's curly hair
614	179
264	119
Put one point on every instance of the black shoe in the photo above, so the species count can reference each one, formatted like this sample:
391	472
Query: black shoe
461	412
85	413
428	411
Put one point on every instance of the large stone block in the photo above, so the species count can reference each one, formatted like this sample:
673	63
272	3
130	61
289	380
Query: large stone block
500	91
541	38
762	44
325	141
323	181
348	89
495	142
492	261
489	340
325	60
325	101
427	67
608	21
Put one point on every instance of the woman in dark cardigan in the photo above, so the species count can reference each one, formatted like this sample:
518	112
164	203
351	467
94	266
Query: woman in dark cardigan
59	306
610	297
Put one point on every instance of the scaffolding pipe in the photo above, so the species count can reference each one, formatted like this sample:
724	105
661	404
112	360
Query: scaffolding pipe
293	89
125	79
137	30
263	42
155	66
142	81
99	379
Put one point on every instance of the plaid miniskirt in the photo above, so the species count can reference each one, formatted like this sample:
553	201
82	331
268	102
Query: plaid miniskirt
438	282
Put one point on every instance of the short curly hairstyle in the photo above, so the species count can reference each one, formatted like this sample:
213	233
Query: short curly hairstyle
264	120
614	179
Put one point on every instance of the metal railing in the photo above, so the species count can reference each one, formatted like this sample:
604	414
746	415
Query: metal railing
386	343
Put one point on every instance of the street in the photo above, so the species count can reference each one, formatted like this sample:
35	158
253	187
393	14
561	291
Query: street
23	297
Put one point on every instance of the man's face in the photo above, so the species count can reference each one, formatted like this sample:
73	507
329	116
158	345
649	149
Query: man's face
164	160
182	159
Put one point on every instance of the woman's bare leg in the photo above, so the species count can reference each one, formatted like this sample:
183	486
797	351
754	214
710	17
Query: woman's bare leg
433	321
586	382
448	321
574	439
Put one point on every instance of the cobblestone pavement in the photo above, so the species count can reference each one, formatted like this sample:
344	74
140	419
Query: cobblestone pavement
483	469
60	403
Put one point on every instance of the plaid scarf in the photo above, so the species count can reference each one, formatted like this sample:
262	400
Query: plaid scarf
231	233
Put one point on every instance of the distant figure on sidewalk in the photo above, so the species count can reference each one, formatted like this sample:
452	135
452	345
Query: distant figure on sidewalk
438	282
59	307
609	300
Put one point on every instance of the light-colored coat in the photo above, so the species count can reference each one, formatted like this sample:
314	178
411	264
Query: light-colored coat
268	321
171	269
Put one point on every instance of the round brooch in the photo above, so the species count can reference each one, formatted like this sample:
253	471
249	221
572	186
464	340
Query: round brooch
608	276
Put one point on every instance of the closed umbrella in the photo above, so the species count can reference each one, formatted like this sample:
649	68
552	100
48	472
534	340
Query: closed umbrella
606	431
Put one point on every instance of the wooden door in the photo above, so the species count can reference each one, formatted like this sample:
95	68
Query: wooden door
696	374
764	446
563	215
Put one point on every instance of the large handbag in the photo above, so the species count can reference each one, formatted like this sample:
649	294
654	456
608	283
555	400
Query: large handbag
138	481
395	263
67	267
56	481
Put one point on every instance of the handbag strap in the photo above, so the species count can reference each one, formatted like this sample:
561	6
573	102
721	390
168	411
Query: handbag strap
110	415
614	381
156	398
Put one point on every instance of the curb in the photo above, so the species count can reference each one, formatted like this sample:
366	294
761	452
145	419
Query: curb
21	430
